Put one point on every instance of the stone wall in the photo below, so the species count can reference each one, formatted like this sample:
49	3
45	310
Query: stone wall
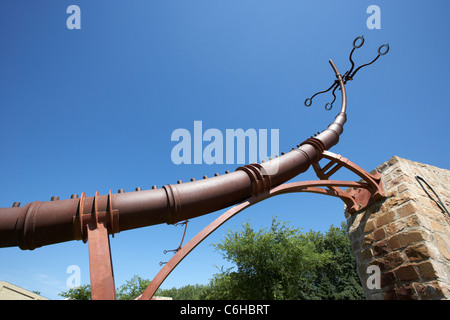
402	243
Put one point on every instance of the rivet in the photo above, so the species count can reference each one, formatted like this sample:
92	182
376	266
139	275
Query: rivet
74	196
138	189
216	174
154	187
192	179
54	198
121	191
227	172
16	204
205	177
179	182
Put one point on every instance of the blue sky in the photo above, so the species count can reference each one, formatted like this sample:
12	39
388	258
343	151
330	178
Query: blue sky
94	109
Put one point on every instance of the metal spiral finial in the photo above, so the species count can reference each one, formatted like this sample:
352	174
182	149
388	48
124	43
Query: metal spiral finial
357	43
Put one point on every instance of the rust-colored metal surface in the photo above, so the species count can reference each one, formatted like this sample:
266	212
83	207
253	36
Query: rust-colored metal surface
371	187
60	220
100	264
93	219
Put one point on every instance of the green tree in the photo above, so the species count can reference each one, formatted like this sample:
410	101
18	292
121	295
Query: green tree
283	263
128	291
78	293
132	288
277	263
188	292
337	279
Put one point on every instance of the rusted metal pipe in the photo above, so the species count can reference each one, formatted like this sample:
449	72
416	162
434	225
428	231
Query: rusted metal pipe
42	223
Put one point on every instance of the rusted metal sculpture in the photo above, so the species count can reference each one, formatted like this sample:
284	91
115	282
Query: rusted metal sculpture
93	219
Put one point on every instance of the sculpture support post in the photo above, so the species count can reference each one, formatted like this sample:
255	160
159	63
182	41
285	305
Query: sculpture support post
94	229
100	264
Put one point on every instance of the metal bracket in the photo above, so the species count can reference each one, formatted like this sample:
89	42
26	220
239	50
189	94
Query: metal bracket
357	197
109	217
185	223
95	228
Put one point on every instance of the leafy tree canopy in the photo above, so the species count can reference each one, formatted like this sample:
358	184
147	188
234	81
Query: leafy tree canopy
283	263
275	263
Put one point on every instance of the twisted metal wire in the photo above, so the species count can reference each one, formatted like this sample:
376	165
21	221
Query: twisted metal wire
349	75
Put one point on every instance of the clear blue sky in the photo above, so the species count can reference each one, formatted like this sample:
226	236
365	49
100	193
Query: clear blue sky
94	109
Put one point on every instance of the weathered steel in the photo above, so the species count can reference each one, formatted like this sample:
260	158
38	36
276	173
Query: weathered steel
349	74
357	198
93	219
100	264
42	223
371	185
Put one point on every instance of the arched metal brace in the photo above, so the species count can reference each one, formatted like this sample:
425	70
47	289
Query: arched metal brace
359	195
356	198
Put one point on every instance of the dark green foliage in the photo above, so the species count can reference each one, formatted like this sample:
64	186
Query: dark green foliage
132	288
276	263
78	293
189	292
283	263
337	279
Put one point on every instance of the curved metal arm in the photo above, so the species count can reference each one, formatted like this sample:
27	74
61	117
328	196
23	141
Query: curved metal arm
348	75
42	223
342	87
380	53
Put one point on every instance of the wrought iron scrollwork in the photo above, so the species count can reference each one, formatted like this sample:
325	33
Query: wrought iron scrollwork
185	224
350	74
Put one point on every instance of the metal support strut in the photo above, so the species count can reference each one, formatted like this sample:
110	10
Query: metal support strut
357	197
95	228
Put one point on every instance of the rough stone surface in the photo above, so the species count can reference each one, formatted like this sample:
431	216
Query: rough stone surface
406	235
